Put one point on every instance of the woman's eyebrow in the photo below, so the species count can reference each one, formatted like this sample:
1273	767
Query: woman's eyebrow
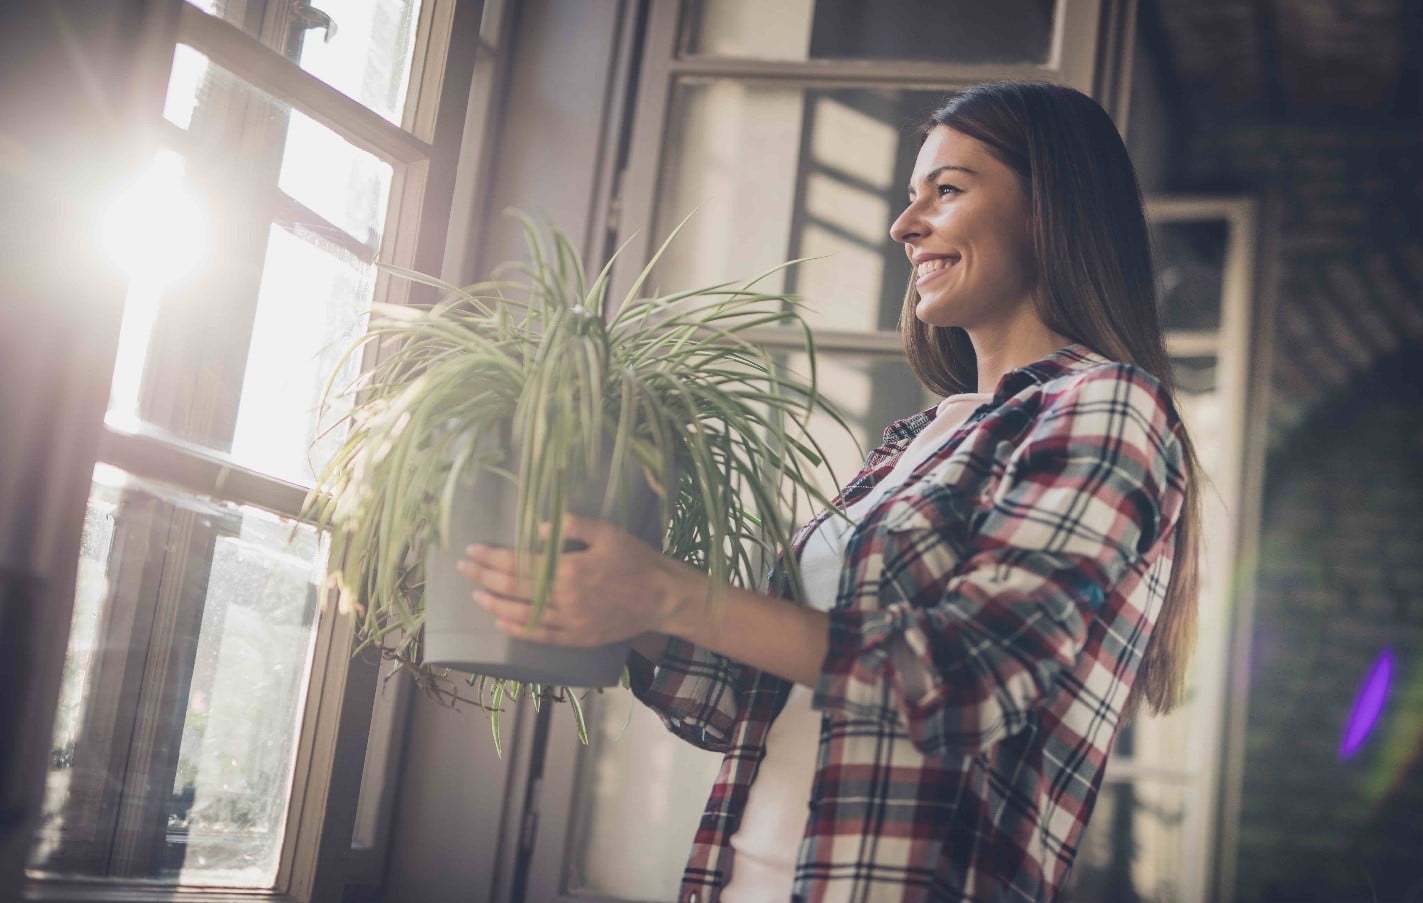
929	177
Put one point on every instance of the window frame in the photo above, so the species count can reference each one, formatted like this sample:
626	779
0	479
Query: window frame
423	153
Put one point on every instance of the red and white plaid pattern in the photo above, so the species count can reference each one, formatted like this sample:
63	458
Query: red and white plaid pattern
990	619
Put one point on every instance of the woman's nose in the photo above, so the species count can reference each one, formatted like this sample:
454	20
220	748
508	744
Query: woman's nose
907	226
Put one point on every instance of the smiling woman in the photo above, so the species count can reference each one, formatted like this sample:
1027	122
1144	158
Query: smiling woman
1011	586
966	232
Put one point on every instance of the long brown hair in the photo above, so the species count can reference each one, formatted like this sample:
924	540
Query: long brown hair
1094	258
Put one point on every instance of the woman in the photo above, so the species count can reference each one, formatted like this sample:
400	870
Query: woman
1017	572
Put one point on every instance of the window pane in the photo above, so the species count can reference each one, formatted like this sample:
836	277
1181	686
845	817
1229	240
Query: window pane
362	48
946	31
309	309
298	219
344	185
1190	272
184	683
1132	846
784	172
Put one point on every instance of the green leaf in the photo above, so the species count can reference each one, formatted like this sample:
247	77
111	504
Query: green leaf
578	715
494	717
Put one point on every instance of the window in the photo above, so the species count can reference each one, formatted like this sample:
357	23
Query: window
200	727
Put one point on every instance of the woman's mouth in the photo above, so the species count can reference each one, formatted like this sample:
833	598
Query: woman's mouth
927	270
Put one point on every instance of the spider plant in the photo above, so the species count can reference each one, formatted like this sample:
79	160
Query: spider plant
528	384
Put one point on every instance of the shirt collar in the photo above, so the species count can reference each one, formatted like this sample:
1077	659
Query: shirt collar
1067	359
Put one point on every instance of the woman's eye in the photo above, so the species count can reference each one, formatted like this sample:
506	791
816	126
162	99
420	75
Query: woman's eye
946	188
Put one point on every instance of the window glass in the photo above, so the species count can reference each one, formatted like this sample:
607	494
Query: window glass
176	765
309	309
298	225
362	48
1178	741
1190	275
1132	846
642	793
945	31
341	183
775	173
870	391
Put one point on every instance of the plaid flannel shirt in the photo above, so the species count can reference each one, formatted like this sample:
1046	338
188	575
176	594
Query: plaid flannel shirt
990	619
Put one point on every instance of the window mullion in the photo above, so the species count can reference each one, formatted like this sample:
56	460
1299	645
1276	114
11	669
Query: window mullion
882	342
233	49
151	455
281	208
831	73
187	541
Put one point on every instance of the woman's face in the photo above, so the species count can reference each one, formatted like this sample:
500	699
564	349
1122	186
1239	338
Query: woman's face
965	232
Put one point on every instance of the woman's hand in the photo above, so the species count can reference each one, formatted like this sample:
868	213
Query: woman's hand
615	588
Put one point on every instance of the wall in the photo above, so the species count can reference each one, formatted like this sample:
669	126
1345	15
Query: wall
1341	581
1350	245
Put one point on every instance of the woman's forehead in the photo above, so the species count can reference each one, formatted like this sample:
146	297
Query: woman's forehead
949	142
949	147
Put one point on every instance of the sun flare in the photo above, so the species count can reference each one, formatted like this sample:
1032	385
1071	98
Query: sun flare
153	229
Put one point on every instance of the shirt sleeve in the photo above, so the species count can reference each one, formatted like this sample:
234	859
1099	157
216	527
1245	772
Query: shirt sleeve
696	692
972	631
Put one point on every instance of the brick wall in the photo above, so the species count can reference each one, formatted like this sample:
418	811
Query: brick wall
1341	579
1350	278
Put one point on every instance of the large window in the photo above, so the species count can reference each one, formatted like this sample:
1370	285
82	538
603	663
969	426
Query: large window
196	742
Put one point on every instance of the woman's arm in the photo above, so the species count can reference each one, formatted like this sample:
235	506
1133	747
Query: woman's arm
955	639
695	691
968	650
765	632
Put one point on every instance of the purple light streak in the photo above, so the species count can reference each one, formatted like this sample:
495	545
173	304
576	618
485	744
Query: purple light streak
1368	704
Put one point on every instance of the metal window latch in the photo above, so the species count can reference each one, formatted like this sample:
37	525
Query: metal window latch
307	17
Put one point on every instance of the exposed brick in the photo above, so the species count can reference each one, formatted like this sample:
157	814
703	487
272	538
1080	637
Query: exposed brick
1340	578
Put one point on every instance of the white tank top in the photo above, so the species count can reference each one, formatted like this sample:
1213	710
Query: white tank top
773	823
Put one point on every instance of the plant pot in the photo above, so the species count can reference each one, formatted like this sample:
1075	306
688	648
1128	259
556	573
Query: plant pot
460	634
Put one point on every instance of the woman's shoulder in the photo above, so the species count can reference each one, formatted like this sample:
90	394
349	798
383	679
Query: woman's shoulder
1107	392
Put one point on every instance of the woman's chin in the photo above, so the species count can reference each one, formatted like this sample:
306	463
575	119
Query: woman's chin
933	314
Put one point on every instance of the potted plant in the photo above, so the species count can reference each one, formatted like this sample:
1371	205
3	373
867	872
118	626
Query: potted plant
511	401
